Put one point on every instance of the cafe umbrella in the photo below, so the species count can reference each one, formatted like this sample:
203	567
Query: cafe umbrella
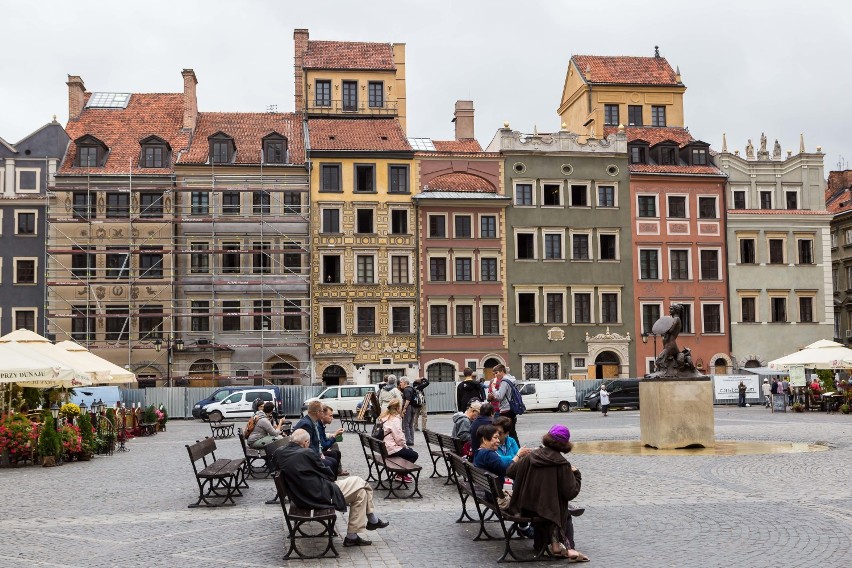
822	354
27	368
106	373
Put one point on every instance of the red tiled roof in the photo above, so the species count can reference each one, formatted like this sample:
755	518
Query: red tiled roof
147	114
349	55
464	145
460	182
778	212
349	134
653	135
689	170
838	191
623	70
248	130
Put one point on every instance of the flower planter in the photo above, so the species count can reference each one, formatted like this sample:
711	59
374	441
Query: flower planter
48	461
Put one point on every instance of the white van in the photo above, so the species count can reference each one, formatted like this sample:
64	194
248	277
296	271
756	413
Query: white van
239	404
549	395
342	397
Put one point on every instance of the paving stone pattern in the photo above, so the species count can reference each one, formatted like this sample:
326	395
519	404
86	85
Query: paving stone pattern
754	510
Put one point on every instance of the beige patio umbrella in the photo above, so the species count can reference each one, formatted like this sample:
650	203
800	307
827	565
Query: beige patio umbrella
28	368
33	343
106	373
822	354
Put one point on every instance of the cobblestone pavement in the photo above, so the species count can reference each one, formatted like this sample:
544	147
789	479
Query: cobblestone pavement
749	510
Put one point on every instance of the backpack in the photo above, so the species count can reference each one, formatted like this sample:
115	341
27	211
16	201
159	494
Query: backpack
419	398
379	431
252	422
516	402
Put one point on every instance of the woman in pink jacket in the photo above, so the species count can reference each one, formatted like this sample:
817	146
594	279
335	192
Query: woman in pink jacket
394	439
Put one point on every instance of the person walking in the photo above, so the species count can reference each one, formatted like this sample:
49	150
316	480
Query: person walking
604	395
388	393
742	390
767	393
467	390
422	412
500	393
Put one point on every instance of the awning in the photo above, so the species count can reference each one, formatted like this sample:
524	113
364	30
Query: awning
766	371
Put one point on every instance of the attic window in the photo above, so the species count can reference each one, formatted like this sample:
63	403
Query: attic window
668	155
699	157
331	137
383	137
155	153
222	148
275	149
91	152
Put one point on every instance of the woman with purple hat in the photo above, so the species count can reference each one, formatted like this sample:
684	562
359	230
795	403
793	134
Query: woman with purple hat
544	483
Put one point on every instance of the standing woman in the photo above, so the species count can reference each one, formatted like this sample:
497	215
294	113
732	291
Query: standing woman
394	439
604	400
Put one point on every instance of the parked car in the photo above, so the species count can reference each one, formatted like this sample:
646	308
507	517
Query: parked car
239	404
622	392
549	395
216	396
342	397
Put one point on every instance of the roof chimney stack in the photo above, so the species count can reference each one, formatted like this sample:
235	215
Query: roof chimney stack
190	99
463	117
76	98
300	39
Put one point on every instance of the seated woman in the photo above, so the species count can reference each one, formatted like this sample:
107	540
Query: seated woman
508	447
486	456
544	483
394	439
486	416
264	432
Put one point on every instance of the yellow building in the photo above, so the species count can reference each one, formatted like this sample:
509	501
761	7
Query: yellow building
633	91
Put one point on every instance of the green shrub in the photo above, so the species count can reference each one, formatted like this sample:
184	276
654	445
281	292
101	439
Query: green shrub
49	443
87	433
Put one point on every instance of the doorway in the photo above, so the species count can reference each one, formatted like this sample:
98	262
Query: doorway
606	365
333	375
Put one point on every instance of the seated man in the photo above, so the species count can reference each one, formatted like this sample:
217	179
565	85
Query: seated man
310	423
329	445
312	487
462	420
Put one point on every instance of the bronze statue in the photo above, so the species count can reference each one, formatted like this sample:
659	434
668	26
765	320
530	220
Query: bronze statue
672	361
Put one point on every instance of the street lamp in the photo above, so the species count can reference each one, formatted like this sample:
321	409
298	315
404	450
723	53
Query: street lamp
83	408
645	340
54	410
171	345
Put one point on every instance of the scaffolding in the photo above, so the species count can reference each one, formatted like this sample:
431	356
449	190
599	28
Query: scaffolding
203	277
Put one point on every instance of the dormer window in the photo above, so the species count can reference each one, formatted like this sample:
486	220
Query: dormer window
274	149
638	154
668	155
91	152
699	156
156	153
222	148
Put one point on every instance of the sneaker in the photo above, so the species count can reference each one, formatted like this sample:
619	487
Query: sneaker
526	530
405	478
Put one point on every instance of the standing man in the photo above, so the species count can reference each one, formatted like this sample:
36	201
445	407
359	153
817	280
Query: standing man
767	393
312	486
742	391
408	410
420	386
467	390
500	392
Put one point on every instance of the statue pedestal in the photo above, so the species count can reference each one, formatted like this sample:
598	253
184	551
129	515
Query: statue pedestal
676	413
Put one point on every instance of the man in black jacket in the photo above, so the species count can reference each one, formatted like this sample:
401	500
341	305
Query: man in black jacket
469	389
312	487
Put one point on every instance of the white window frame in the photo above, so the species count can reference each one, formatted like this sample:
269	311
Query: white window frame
656	197
482	304
716	212
25	309
459	255
780	294
642	313
449	269
343	329
561	234
391	211
537	304
479	225
478	268
375	256
409	256
560	290
686	205
611	290
583	356
18	212
2	180
435	303
375	226
755	295
429	225
472	218
570	199
689	268
848	236
793	189
1	210
721	318
527	231
834	239
592	249
561	185
520	181
718	264
590	290
745	190
15	270
18	171
472	305
540	360
659	264
375	321
411	322
1	273
614	185
617	233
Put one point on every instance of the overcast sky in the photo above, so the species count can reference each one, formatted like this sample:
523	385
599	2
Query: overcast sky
772	66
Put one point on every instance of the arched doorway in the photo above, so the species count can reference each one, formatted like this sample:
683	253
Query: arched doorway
333	375
203	372
283	373
441	373
720	367
487	366
606	365
752	364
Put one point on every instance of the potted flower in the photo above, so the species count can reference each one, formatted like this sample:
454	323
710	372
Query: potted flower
72	444
162	416
845	408
69	411
17	438
798	407
49	444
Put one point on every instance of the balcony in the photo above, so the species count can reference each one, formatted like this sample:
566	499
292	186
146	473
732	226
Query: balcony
339	107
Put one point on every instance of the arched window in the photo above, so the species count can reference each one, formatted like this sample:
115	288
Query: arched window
441	373
204	367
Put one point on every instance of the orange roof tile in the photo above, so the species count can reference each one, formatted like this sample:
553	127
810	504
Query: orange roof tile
349	55
248	130
147	114
460	182
684	170
464	145
653	135
838	191
778	212
623	70
351	134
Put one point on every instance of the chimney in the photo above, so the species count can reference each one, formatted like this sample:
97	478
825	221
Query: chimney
190	99
463	117
300	39
76	92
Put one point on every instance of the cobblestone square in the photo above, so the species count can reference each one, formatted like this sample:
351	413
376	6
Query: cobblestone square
130	509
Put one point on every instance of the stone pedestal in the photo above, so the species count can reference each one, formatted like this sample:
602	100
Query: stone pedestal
676	413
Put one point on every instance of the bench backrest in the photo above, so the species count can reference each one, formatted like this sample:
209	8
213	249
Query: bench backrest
377	447
270	448
200	450
242	439
432	439
450	444
344	414
484	484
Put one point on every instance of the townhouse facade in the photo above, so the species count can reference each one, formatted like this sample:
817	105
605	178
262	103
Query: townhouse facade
779	252
676	197
27	170
461	229
838	200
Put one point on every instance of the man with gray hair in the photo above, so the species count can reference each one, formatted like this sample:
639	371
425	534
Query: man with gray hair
389	393
408	410
311	487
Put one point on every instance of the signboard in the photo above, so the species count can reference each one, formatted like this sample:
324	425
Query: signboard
727	387
779	403
797	376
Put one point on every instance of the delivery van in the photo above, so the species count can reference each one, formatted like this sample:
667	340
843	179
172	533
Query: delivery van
549	395
342	397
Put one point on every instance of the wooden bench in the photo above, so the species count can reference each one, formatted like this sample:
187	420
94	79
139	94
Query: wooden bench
268	451
390	467
450	445
217	478
350	421
256	465
220	430
296	518
436	454
483	487
458	473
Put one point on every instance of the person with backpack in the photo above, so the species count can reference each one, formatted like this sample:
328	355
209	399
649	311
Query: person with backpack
259	430
388	393
420	403
504	392
467	390
408	414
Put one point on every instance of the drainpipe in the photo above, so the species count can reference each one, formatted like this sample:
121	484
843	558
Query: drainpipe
727	272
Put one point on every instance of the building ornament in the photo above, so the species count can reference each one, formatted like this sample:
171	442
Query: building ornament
556	334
